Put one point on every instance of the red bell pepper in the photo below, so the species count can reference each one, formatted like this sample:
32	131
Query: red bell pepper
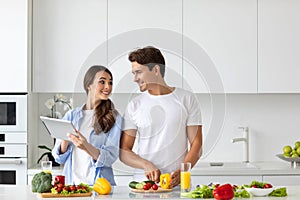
223	192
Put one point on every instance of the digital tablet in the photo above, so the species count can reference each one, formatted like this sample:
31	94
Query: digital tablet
58	128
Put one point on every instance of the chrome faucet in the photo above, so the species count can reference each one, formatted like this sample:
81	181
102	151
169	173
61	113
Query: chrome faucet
244	139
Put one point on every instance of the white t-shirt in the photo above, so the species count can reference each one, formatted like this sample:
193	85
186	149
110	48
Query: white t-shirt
80	159
161	123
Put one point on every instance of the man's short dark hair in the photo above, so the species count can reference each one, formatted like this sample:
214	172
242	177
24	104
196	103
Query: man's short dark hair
148	56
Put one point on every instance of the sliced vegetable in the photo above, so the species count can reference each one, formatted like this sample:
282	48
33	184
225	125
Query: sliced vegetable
102	186
165	181
133	184
148	181
139	186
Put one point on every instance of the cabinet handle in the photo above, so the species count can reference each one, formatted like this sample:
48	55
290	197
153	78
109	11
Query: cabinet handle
8	161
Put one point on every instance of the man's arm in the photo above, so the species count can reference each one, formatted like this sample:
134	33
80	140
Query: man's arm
130	158
194	134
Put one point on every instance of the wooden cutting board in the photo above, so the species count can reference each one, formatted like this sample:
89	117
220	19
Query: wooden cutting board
50	195
159	190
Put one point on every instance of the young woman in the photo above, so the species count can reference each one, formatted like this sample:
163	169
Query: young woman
91	153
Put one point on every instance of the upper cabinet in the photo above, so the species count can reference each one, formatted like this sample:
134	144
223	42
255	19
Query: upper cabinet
278	46
138	23
13	46
220	46
67	36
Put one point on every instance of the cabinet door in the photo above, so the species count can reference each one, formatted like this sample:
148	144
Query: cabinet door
278	46
238	180
282	180
65	34
224	38
13	48
138	23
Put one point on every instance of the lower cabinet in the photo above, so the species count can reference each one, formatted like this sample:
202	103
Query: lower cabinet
281	180
238	180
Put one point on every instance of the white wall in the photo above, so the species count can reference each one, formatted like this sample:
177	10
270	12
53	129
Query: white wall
273	120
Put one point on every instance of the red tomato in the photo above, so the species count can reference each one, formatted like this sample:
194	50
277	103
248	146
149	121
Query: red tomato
72	188
267	185
253	186
154	187
59	185
78	187
149	185
66	188
58	190
146	187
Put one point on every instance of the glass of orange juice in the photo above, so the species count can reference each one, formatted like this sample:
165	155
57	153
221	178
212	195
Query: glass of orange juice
185	177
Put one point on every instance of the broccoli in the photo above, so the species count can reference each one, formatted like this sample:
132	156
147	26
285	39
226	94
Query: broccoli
41	182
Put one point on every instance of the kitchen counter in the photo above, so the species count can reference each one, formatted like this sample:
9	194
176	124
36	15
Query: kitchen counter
203	173
253	168
204	168
123	192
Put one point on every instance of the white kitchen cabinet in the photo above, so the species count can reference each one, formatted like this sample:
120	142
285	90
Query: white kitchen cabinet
238	180
278	46
223	47
13	48
138	23
66	34
282	180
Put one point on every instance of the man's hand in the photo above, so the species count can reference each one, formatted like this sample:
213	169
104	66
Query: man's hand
175	178
152	172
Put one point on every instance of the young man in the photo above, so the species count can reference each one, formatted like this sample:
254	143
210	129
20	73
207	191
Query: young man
164	120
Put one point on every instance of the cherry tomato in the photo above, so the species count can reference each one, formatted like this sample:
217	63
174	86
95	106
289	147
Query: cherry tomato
59	185
267	185
146	187
58	190
78	187
66	188
72	188
154	187
253	186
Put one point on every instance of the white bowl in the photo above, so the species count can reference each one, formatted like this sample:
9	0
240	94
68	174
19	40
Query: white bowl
259	192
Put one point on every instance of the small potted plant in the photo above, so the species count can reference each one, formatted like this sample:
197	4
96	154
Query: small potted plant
48	154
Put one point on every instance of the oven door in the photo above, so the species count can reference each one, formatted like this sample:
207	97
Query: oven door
13	171
13	113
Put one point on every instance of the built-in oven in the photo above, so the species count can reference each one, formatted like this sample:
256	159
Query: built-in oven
13	139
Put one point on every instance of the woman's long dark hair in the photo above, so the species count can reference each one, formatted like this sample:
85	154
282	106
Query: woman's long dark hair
105	112
105	116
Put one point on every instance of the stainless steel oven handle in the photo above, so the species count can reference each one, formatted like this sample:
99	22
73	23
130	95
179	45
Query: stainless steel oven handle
8	161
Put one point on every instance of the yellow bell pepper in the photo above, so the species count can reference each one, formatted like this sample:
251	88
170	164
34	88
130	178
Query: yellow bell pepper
165	181
102	186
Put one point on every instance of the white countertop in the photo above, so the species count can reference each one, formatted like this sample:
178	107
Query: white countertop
253	168
204	169
123	192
